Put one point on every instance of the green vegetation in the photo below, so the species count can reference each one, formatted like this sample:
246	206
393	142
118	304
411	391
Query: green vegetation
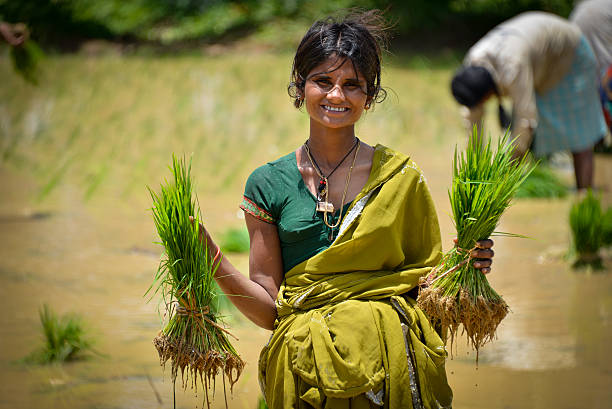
231	111
26	60
542	183
261	403
187	20
456	293
193	338
587	226
235	240
65	338
607	227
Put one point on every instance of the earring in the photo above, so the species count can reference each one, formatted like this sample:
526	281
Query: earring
367	106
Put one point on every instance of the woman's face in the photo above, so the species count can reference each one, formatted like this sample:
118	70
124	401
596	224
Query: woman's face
335	97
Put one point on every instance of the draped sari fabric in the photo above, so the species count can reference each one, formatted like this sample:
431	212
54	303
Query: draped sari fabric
347	335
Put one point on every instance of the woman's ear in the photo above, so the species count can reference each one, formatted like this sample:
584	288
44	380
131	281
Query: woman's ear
299	97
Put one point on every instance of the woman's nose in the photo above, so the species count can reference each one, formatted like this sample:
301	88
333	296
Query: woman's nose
335	93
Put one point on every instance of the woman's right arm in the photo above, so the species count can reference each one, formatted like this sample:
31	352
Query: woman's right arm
255	295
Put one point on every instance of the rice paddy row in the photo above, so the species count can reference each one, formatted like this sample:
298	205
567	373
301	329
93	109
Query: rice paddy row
127	113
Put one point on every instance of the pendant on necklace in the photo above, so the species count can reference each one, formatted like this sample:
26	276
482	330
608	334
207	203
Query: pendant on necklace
326	207
322	188
330	236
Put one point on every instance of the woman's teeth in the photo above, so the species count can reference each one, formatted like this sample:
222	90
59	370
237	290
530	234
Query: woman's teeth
338	109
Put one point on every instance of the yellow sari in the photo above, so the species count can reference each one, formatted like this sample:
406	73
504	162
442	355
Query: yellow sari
346	334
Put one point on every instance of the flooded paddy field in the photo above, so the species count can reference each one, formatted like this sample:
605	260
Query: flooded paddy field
78	152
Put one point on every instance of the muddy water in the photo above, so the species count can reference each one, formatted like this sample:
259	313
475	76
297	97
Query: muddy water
96	258
98	263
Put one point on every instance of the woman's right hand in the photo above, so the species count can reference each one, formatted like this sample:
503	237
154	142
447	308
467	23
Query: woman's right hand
206	239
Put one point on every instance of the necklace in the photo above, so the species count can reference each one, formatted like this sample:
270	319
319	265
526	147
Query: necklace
322	188
323	204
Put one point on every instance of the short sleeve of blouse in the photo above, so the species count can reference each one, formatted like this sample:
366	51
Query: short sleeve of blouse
259	198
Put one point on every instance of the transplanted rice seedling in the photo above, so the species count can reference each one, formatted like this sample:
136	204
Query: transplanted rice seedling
455	293
542	183
64	338
193	340
235	240
587	225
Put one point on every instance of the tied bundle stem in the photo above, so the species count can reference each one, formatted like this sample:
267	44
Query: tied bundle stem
193	340
455	294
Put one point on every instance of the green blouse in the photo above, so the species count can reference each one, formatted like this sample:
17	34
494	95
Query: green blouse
277	194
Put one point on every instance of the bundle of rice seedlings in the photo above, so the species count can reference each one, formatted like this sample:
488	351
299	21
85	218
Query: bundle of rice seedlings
64	338
193	340
587	228
455	293
542	183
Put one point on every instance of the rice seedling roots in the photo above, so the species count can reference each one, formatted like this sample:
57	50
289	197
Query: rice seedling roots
479	317
195	364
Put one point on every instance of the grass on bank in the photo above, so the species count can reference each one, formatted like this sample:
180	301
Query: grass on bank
64	339
455	293
104	124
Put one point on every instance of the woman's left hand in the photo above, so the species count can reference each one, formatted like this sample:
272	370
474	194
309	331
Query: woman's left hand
482	256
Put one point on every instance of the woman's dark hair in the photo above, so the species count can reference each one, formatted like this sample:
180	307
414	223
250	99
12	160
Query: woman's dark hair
358	37
471	84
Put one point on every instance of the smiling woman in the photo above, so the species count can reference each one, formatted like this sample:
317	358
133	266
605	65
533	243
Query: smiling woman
340	234
335	94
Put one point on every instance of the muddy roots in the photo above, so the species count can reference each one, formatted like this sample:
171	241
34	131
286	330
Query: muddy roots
478	316
195	364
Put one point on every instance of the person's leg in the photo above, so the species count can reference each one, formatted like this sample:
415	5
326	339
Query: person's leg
583	168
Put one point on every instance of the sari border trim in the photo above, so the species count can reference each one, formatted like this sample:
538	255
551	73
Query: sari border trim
415	393
251	208
353	213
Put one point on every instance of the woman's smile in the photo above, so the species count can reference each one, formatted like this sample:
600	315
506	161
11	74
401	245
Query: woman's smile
335	94
335	109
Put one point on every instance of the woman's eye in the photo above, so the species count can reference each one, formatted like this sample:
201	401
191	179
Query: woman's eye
323	83
353	86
